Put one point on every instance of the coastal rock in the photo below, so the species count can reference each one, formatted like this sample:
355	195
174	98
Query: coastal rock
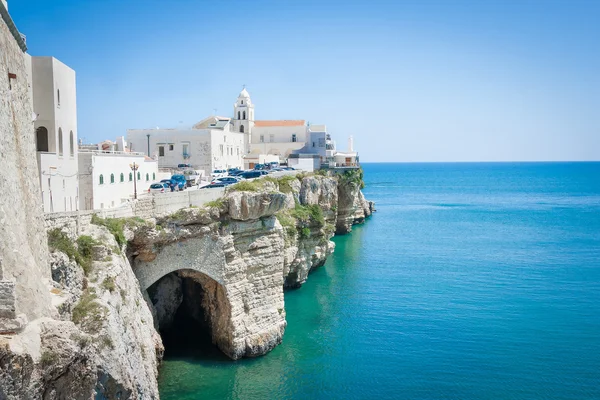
243	206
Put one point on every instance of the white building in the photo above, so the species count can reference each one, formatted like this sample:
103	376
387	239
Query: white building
210	144
107	179
55	104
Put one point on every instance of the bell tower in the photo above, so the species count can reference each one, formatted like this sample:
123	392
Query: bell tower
243	116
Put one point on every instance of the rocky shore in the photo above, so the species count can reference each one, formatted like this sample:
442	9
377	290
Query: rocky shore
227	264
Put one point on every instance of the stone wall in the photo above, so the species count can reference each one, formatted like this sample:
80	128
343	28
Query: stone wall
23	249
77	222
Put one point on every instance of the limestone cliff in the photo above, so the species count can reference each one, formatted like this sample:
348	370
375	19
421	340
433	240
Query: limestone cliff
240	253
102	344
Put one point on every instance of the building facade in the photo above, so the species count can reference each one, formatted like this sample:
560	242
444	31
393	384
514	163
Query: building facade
54	101
107	179
210	144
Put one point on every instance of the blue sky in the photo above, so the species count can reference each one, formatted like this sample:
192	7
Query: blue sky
410	80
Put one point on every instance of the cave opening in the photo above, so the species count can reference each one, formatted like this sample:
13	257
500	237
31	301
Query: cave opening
189	311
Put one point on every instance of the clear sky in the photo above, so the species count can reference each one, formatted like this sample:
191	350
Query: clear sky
443	80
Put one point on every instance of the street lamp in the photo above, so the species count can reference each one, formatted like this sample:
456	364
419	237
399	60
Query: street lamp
134	167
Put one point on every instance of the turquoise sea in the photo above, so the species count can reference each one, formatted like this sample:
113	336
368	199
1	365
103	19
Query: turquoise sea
472	281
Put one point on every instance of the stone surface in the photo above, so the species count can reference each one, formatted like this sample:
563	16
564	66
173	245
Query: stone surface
23	244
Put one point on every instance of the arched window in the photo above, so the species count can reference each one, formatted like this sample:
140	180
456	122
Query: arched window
242	102
112	178
122	177
130	177
242	128
58	96
147	177
239	115
153	176
41	136
60	142
244	114
102	179
139	176
71	144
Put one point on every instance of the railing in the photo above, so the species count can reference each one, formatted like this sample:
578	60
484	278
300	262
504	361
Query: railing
115	153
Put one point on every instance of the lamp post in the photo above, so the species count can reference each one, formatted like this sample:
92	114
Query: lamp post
134	167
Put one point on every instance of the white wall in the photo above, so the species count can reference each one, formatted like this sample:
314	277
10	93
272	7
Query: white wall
58	167
204	147
95	195
305	164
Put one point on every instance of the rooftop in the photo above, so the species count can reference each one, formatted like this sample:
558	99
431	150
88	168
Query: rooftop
282	122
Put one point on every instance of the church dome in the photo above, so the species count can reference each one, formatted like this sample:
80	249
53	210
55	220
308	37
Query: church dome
244	94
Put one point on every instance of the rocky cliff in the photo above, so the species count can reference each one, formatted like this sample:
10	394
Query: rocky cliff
238	254
101	344
224	266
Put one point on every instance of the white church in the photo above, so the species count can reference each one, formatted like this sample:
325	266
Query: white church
240	141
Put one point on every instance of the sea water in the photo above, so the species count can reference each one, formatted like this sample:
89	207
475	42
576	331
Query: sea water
471	281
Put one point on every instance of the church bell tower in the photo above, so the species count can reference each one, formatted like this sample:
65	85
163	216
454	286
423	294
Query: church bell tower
243	116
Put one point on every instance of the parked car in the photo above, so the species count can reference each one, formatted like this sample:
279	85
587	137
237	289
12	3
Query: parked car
251	174
184	166
192	177
213	185
180	180
176	184
217	173
228	180
236	173
232	171
158	188
289	168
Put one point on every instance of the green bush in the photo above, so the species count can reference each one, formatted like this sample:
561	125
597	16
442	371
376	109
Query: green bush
285	183
353	176
81	254
309	214
289	225
115	226
48	357
305	233
88	312
218	203
246	186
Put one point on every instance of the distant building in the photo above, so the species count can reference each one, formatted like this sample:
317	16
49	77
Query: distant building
54	101
210	144
106	177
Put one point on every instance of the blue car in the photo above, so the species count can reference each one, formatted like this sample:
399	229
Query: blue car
180	181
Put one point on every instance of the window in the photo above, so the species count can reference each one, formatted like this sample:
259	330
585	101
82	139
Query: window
71	144
112	178
153	176
313	144
60	142
41	134
242	102
171	147
221	148
130	177
186	151
271	137
139	178
161	151
101	179
262	138
294	138
147	177
321	142
244	114
242	128
64	184
58	97
239	115
122	178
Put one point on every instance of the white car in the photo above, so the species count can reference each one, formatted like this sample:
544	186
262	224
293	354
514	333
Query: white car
159	187
218	173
